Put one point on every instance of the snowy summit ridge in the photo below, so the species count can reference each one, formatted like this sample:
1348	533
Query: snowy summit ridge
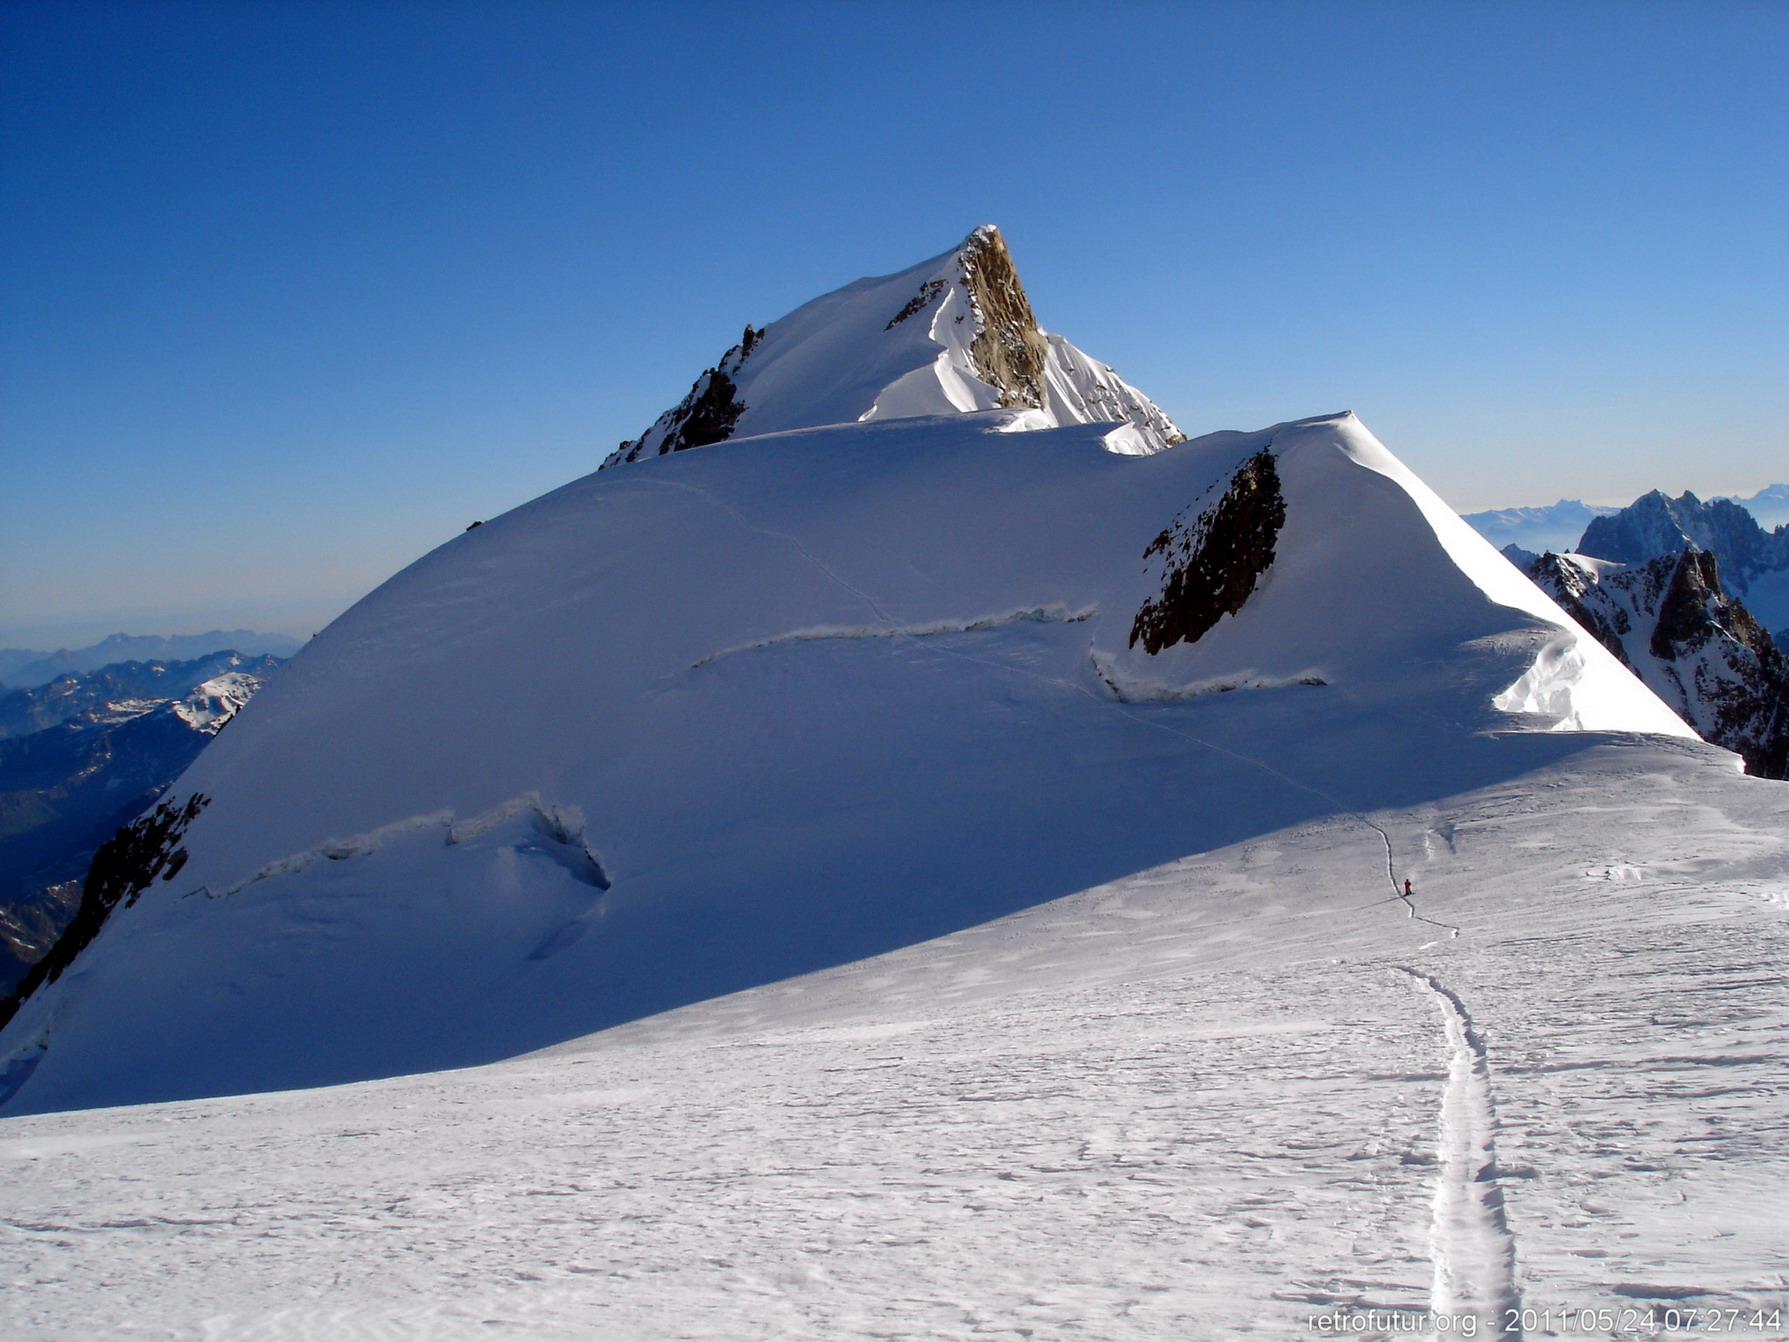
955	333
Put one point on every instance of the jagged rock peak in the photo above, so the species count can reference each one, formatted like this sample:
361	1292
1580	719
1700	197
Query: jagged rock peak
1671	621
1656	524
951	335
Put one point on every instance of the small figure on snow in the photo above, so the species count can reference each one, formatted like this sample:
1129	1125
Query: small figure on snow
1406	887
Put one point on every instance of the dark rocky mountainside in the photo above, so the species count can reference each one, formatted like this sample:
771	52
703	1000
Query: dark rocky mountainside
65	789
707	415
1212	564
121	869
1670	620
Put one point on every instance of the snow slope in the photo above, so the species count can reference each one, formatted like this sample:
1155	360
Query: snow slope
1225	1096
954	333
733	715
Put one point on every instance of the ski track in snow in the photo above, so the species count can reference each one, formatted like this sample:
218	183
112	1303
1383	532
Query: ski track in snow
1473	1249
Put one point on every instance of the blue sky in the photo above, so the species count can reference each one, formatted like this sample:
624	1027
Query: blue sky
293	291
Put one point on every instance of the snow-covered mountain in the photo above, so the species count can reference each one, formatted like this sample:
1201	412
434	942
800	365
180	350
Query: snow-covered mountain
26	669
1754	563
109	690
955	333
1556	526
792	701
1671	622
1019	830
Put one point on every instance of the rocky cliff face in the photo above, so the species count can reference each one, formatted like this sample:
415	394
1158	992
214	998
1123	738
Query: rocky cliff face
1672	623
956	333
1009	352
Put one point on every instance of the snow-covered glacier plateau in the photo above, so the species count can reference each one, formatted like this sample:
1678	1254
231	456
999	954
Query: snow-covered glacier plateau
935	871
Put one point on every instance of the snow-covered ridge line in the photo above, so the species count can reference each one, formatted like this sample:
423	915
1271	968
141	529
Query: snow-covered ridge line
561	824
1052	614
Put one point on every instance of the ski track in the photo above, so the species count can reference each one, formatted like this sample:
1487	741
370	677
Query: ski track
1474	1251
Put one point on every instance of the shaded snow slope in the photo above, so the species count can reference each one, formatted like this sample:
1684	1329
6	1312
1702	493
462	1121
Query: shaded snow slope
955	333
744	713
1223	1097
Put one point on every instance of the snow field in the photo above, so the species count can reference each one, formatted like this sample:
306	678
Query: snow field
1205	1101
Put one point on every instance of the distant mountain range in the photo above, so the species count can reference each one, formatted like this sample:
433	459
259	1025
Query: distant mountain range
1769	505
24	668
1555	527
1754	563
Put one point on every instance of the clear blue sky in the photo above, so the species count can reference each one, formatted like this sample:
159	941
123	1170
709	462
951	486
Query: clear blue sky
294	291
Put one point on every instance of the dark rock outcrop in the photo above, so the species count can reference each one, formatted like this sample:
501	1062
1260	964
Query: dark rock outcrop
1212	565
124	867
927	295
707	415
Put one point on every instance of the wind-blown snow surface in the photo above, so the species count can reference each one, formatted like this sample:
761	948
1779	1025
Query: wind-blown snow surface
1211	1099
705	722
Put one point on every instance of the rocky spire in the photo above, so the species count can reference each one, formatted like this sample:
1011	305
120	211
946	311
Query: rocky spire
1009	352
